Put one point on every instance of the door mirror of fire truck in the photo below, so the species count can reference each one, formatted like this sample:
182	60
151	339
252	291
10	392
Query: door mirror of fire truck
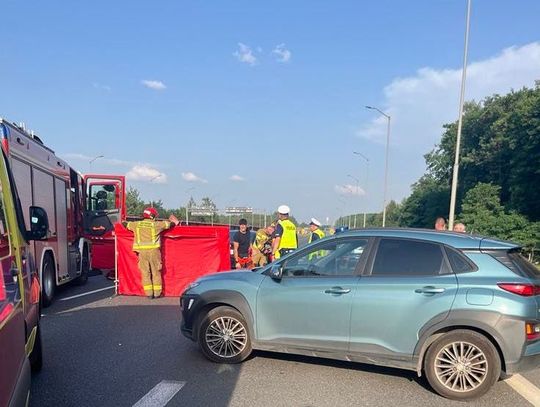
39	224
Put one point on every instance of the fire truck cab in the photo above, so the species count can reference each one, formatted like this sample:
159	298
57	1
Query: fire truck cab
43	179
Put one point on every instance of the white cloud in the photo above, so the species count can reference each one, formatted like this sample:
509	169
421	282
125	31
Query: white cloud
191	177
146	173
102	87
237	178
282	53
245	54
351	190
156	85
421	104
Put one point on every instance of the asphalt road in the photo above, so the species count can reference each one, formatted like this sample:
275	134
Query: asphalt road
101	350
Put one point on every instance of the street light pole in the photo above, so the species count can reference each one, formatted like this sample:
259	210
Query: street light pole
94	159
367	180
357	191
460	120
388	117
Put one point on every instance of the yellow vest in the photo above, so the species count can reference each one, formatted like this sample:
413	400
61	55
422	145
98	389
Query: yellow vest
288	239
318	232
147	233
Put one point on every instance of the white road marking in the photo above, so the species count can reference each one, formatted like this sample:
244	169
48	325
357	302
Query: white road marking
161	394
88	293
525	388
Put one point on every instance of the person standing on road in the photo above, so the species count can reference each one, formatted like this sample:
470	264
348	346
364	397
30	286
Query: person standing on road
262	246
147	245
285	238
316	232
241	246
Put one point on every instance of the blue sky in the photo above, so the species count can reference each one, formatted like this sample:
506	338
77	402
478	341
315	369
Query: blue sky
271	94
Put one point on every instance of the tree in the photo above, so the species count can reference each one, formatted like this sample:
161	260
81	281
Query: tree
134	204
483	214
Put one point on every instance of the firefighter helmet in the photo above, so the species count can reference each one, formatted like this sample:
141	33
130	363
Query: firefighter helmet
150	213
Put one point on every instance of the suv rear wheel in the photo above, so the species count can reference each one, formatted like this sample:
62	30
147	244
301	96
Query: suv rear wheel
223	336
462	365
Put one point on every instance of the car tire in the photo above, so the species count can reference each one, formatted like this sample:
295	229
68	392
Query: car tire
85	267
36	357
223	335
462	365
48	283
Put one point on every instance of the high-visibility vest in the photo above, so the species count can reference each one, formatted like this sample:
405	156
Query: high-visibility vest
288	238
147	233
318	232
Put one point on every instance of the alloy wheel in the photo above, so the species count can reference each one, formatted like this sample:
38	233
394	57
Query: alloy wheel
226	337
461	366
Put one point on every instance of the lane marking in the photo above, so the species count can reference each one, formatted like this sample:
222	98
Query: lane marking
525	388
161	394
88	293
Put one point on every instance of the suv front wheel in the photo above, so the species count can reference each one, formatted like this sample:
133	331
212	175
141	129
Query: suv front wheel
224	336
462	365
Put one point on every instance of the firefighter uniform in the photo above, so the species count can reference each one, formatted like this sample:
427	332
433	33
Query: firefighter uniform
147	243
261	247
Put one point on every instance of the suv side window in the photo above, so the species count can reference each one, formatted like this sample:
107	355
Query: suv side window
401	257
331	259
458	262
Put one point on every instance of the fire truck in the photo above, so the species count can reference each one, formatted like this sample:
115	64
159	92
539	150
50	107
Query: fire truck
81	210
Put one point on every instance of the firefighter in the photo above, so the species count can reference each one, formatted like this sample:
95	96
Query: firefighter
316	232
285	238
147	244
261	248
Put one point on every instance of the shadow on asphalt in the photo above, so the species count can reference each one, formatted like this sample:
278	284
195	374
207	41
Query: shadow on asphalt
339	364
114	354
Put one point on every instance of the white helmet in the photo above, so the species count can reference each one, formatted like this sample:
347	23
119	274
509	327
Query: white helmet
283	210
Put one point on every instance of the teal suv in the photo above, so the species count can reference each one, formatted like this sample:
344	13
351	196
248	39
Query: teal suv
461	309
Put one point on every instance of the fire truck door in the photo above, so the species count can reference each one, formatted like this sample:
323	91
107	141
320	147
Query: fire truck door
61	228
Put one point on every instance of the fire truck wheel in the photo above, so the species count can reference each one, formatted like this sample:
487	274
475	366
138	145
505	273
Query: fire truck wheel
85	267
48	281
36	357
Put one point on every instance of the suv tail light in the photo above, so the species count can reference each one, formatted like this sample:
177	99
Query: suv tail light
532	330
525	290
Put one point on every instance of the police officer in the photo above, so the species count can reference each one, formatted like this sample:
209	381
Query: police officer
147	244
316	232
285	239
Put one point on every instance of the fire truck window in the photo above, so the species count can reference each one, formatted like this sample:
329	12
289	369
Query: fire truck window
102	197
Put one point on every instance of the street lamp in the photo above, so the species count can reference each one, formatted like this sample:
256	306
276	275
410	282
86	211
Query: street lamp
156	177
367	180
460	119
94	159
357	191
386	162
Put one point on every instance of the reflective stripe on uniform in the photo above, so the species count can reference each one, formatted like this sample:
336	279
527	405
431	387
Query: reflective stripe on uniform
147	287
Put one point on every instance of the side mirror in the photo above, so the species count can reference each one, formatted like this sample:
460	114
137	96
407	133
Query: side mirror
39	224
276	272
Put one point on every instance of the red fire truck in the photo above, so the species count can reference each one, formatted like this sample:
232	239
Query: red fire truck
79	214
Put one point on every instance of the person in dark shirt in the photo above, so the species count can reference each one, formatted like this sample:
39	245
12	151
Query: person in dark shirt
241	246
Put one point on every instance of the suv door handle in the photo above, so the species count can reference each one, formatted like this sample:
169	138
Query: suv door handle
429	290
338	290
